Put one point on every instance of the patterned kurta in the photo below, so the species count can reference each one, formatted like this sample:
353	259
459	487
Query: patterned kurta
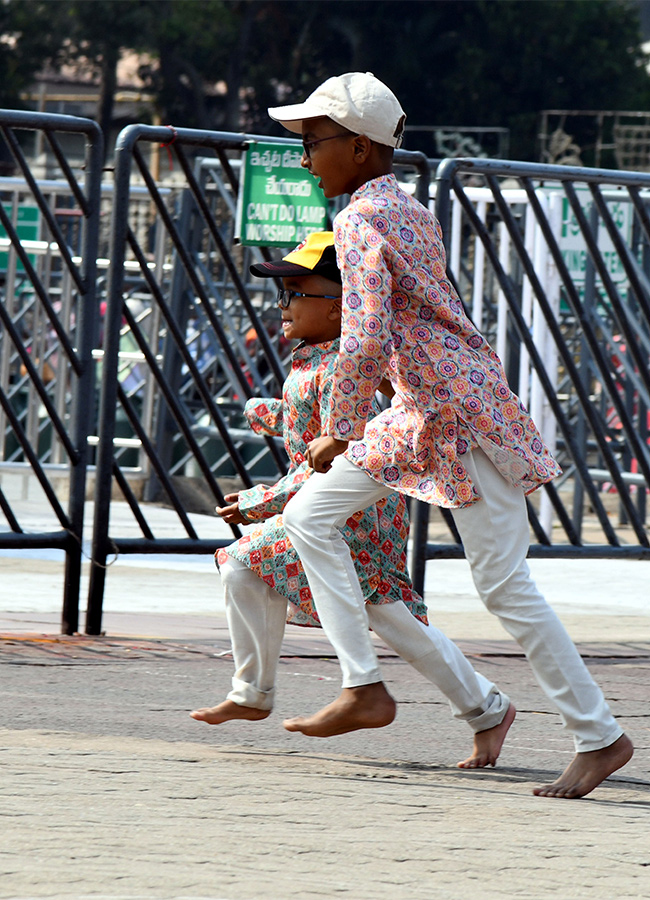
402	316
377	536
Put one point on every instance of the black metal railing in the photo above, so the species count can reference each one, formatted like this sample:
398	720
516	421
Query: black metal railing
582	330
134	367
209	341
48	325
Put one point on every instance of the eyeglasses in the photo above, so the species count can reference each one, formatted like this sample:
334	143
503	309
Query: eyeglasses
307	145
285	297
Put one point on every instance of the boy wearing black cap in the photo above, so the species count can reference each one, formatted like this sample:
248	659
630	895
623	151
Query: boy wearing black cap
455	434
262	575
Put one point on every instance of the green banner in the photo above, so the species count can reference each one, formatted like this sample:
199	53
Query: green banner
279	202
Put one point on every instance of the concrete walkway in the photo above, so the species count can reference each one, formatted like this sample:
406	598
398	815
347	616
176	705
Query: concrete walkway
110	790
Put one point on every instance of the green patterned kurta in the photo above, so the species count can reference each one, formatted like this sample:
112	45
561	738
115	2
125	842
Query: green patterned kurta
377	536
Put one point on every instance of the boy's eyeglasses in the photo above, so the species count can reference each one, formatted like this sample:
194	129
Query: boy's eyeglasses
285	297
307	145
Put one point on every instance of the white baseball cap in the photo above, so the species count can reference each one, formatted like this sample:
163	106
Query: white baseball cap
358	101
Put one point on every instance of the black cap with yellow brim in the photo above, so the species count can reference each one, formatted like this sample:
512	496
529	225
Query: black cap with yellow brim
314	256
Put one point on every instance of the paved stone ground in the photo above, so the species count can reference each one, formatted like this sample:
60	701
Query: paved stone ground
109	789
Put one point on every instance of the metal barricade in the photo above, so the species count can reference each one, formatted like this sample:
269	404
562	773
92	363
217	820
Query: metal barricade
48	325
552	263
206	338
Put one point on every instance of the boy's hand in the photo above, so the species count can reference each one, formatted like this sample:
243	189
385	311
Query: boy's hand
322	451
230	513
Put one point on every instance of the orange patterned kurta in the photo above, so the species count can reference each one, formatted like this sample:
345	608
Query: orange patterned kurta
376	536
402	316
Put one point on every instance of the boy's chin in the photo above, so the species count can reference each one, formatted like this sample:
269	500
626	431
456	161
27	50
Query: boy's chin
328	192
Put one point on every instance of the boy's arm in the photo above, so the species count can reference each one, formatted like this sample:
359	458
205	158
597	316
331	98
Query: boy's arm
366	340
263	501
265	416
322	450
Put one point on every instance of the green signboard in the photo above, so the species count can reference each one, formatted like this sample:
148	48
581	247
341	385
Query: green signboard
574	247
279	202
28	227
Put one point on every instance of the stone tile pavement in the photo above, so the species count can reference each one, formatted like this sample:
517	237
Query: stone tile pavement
109	791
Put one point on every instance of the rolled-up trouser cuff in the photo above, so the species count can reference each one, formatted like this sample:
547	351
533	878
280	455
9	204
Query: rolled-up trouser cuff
245	694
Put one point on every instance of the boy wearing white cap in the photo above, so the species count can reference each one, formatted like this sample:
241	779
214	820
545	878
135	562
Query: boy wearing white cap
455	434
264	582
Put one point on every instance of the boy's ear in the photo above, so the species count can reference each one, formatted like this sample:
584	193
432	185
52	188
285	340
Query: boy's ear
335	309
362	147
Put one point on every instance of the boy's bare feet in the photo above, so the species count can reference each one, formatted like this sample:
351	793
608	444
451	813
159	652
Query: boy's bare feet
488	743
586	770
367	706
224	712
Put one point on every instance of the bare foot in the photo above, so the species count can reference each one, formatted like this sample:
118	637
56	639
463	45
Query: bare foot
488	743
224	712
367	706
587	770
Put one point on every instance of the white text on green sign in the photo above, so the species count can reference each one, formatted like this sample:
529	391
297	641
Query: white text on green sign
280	201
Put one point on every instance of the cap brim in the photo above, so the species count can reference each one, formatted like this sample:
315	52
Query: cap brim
279	268
291	117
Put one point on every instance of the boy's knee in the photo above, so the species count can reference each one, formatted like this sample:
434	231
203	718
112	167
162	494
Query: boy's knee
514	596
312	520
293	517
235	574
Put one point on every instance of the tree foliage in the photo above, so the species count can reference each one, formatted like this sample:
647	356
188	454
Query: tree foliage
220	63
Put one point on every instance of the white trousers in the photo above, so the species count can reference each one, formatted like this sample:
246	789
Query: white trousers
495	537
256	618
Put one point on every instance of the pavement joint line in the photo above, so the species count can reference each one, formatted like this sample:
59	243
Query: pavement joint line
294	646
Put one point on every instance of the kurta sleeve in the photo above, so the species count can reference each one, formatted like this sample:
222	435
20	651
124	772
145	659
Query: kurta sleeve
366	340
264	415
264	501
